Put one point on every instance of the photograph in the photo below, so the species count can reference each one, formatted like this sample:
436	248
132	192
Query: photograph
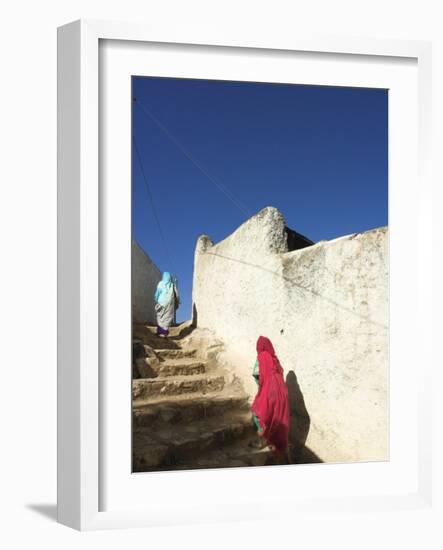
260	274
227	223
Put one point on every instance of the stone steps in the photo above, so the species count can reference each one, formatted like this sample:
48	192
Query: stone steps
147	336
144	388
149	368
236	455
175	353
180	367
177	332
185	414
172	445
185	408
240	453
150	331
157	343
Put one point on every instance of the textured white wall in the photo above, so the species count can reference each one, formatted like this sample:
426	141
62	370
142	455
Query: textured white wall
145	277
325	308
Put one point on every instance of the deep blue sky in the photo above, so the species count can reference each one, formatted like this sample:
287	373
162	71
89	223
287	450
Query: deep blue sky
317	153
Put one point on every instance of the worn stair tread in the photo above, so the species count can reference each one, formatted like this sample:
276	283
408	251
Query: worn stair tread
177	332
147	336
185	361
254	458
175	433
180	370
235	455
188	399
168	354
175	444
184	409
240	451
198	431
177	379
179	367
199	464
157	343
143	388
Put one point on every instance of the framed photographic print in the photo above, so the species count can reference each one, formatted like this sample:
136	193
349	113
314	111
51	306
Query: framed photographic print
239	224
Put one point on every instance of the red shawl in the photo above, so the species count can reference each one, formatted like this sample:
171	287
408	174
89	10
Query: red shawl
271	404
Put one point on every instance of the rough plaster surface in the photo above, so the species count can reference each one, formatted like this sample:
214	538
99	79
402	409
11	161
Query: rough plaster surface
145	277
324	307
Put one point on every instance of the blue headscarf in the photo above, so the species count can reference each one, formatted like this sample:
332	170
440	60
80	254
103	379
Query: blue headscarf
165	289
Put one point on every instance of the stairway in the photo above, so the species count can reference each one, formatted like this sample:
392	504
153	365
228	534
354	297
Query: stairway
187	412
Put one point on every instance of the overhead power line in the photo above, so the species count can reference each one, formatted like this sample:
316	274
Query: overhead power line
188	155
151	199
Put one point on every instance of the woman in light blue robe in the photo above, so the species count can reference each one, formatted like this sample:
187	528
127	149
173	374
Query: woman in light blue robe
167	301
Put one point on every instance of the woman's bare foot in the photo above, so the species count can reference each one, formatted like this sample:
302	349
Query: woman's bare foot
258	443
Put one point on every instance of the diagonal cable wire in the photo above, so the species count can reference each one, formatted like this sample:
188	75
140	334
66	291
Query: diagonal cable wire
151	199
188	155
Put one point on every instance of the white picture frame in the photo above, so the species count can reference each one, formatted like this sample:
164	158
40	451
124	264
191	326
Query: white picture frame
79	262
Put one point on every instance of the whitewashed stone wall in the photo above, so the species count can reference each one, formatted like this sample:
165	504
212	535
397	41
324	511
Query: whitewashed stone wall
324	307
145	277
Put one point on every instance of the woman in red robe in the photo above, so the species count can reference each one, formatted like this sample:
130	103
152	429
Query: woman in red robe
271	405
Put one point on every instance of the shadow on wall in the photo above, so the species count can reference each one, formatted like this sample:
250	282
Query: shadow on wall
300	422
194	316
